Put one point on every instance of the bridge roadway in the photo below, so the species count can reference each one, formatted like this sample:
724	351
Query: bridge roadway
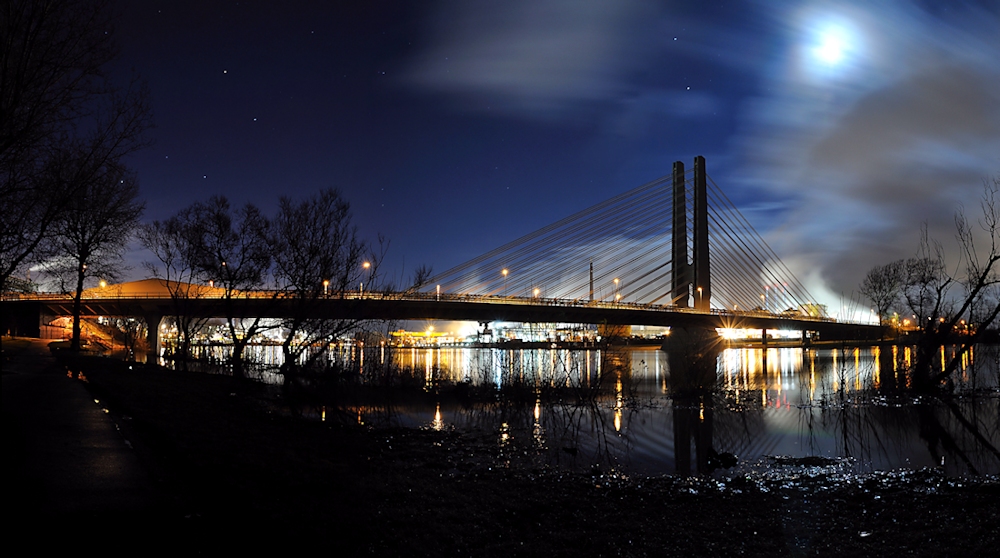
404	306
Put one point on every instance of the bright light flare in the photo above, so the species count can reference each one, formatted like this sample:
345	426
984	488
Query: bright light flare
833	46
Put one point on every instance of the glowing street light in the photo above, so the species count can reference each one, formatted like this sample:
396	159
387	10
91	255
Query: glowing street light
699	298
326	285
361	287
536	291
504	272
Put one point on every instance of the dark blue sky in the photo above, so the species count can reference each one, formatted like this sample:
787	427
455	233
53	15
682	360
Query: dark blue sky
453	127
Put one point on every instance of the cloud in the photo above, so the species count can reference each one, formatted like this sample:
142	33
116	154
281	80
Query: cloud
535	59
904	135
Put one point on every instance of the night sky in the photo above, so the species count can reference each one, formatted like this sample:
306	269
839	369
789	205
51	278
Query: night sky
454	126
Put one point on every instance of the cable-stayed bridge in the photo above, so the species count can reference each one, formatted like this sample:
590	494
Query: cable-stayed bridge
672	252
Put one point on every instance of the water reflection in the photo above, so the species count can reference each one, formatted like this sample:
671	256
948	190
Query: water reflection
635	410
648	411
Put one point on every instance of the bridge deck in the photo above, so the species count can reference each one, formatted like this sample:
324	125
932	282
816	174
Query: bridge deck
402	306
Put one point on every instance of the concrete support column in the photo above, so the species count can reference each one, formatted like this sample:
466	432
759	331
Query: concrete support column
680	276
702	281
153	334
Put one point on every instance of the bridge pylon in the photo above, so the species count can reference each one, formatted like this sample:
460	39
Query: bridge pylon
702	290
690	271
680	279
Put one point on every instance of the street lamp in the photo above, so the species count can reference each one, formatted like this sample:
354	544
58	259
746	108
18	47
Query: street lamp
536	291
439	293
326	284
699	298
504	273
361	287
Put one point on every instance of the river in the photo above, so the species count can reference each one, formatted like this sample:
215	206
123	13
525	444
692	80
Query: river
845	409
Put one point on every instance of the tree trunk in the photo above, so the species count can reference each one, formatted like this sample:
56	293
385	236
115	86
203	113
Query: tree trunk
77	308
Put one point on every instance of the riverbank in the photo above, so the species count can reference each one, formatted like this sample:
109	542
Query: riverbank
232	470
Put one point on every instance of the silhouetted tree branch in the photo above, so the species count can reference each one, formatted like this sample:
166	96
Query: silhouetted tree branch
317	254
230	249
91	234
882	286
171	243
57	111
940	312
421	276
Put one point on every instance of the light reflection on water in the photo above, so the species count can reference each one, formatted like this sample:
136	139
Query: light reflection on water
622	409
846	404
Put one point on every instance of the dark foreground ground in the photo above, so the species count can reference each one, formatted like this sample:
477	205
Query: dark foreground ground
229	471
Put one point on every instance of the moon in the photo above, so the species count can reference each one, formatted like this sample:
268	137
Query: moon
833	45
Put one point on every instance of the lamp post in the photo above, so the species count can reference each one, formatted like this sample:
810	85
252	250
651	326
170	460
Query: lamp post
504	273
326	285
439	293
361	287
699	298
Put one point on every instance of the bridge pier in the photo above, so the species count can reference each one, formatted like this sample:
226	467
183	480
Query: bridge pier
692	354
153	334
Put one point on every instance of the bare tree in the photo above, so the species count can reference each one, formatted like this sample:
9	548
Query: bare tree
883	286
230	249
940	311
317	254
56	109
421	276
171	244
91	234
